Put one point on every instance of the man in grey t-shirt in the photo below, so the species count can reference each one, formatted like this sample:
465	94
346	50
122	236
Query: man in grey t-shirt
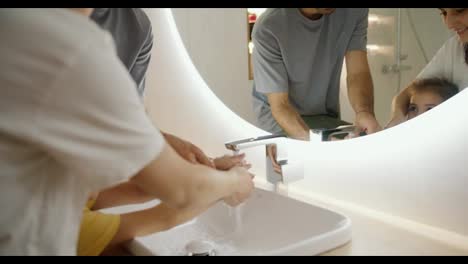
133	37
297	59
132	33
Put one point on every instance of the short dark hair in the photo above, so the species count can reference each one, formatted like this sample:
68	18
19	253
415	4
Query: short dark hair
440	86
466	52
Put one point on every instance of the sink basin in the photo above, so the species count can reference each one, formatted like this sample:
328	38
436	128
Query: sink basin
266	224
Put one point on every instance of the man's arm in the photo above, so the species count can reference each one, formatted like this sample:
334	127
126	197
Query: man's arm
271	79
360	90
287	117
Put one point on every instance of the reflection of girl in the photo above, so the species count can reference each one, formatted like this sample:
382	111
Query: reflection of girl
426	94
450	62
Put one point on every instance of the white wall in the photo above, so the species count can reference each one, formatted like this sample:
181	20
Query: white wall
216	40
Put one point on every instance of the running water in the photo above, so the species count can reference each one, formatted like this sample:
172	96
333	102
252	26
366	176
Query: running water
236	214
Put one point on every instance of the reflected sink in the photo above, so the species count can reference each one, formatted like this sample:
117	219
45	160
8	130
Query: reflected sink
266	224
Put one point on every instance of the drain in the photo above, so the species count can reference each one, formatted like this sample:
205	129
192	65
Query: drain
200	248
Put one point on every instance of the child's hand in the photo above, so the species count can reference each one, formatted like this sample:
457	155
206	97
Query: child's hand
227	162
244	187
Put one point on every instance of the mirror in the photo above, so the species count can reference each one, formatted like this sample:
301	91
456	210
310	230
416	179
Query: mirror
217	40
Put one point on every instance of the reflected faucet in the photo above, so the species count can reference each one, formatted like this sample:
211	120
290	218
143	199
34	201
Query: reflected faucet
331	133
275	163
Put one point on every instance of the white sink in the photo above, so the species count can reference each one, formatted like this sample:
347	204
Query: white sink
266	224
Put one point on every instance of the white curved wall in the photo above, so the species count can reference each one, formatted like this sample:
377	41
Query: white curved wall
216	41
416	171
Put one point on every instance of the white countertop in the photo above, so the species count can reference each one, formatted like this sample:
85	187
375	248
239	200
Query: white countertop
372	236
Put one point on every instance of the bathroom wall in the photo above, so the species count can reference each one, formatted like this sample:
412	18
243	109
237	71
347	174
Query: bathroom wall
216	39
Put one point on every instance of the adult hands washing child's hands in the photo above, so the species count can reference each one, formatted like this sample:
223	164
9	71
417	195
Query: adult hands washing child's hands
234	164
188	151
244	188
239	168
226	162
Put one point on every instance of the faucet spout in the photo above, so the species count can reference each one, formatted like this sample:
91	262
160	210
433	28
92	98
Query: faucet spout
253	142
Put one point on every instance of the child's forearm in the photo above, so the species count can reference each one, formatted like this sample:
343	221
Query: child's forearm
121	194
152	220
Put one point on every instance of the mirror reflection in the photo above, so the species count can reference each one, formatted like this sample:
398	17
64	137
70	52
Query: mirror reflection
290	70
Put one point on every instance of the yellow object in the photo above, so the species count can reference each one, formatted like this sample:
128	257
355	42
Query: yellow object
96	232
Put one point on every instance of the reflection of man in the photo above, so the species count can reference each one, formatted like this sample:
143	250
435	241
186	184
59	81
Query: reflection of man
297	59
132	33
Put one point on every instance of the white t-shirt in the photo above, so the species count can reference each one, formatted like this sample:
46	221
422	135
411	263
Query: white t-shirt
449	62
71	122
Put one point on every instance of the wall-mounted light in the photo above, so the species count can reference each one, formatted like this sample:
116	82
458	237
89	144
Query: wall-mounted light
256	11
251	46
374	49
373	18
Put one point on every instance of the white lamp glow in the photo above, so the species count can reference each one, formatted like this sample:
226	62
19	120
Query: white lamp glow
251	46
372	18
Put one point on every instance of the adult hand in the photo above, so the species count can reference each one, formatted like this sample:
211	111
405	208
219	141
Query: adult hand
188	151
395	120
366	122
271	153
227	162
244	188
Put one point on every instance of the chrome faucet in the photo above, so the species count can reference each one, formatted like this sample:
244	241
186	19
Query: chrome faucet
326	134
277	156
252	142
272	145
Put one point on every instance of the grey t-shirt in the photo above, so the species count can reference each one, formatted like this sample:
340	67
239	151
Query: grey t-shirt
132	33
304	58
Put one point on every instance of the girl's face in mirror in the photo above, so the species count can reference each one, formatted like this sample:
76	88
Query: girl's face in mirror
422	102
